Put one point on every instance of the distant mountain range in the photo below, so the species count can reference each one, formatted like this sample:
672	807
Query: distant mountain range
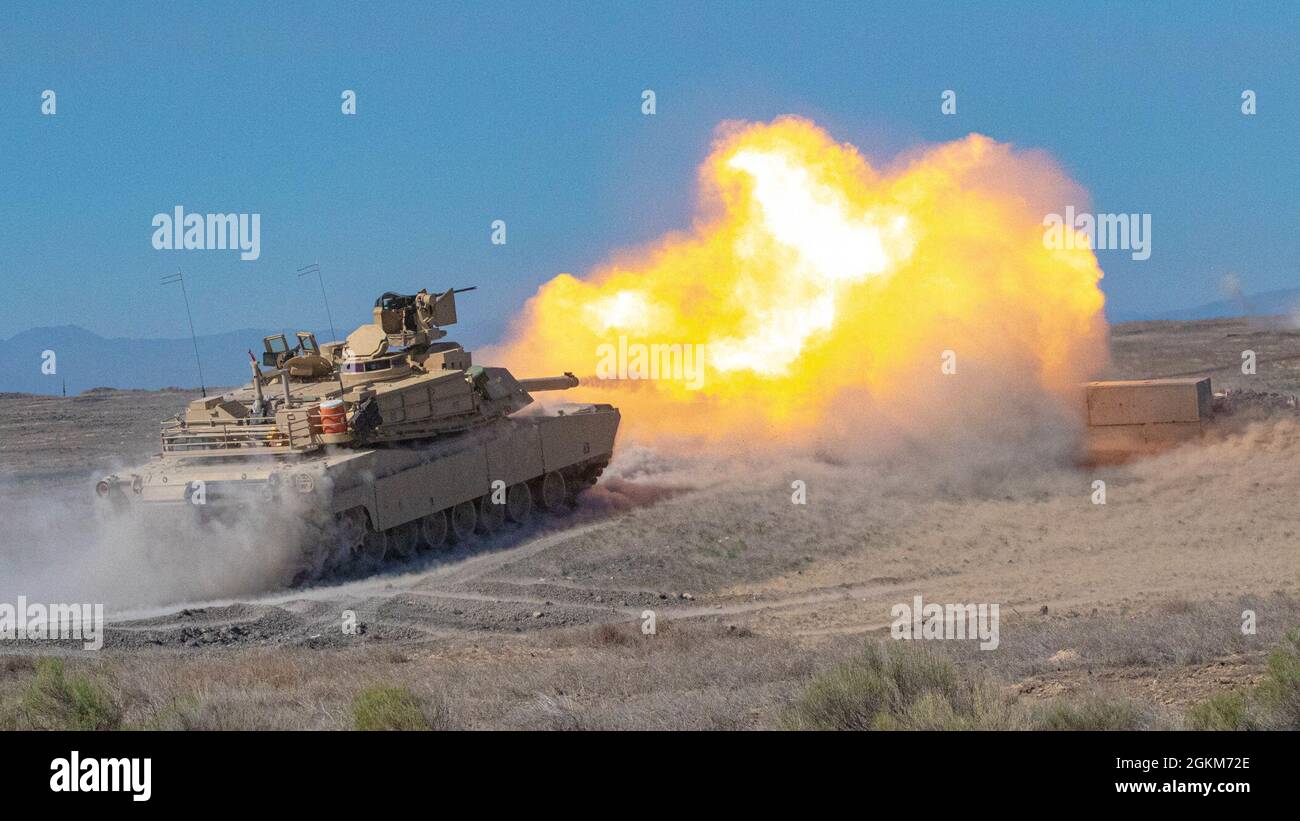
1269	303
86	360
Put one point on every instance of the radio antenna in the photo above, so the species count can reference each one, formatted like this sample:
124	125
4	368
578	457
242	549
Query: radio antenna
314	268
172	279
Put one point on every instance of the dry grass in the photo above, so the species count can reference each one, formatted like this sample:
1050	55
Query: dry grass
905	686
1097	713
1175	633
52	699
612	676
1273	705
889	686
685	677
384	707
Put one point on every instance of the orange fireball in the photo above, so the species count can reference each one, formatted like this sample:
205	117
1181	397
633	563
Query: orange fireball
817	294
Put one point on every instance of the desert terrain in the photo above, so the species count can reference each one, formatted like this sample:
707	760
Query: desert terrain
1140	599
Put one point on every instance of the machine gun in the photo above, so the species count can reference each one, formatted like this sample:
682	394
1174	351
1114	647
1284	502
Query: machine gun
410	320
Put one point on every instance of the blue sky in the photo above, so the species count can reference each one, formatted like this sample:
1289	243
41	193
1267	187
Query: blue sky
530	112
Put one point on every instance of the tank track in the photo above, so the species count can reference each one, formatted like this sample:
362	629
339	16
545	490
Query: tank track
347	545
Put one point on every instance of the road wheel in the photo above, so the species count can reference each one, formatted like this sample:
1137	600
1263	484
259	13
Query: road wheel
350	530
463	519
491	516
344	541
403	540
318	546
433	529
519	503
555	495
374	547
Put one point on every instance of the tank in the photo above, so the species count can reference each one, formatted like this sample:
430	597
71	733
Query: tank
385	444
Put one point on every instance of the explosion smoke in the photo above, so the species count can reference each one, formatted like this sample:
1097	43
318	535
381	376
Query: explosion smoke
825	295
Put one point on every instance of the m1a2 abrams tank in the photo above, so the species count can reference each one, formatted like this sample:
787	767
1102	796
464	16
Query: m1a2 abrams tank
390	442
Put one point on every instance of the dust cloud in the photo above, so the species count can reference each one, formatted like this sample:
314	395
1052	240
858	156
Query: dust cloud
64	548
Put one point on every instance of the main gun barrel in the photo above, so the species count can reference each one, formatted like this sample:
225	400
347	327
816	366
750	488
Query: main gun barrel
550	383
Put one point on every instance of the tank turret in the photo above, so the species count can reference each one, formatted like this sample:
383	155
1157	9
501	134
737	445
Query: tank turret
396	377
